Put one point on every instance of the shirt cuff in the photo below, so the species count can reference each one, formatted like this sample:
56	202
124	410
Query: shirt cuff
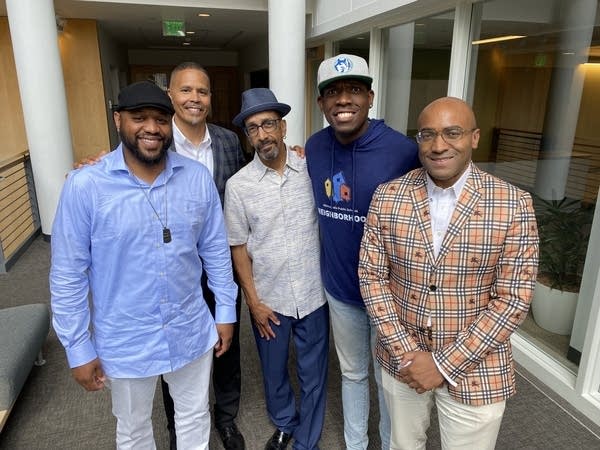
447	378
81	354
225	313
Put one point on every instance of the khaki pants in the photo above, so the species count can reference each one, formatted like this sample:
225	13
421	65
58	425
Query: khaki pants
461	426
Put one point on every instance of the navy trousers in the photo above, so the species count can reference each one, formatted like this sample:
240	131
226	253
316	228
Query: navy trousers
311	340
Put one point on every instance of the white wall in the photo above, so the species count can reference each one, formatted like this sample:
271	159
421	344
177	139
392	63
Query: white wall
174	57
348	17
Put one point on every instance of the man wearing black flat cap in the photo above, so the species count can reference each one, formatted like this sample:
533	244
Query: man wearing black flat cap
220	151
135	231
272	229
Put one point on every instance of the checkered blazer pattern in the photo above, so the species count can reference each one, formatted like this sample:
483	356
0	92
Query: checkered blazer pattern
227	155
477	291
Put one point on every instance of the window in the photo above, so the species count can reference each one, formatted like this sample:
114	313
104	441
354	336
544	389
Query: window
416	66
536	94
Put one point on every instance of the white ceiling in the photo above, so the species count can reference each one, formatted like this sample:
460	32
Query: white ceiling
139	26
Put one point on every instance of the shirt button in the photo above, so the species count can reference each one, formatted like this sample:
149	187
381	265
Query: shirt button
432	287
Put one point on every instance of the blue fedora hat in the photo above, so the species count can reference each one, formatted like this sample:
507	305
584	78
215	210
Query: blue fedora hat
258	100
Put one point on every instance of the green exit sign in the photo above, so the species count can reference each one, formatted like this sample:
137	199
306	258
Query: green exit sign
173	28
540	60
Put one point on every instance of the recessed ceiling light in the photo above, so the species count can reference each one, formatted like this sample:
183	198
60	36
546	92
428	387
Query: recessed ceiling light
187	43
497	39
190	32
203	15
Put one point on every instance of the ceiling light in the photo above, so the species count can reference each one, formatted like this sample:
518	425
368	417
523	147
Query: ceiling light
497	39
190	32
187	43
203	15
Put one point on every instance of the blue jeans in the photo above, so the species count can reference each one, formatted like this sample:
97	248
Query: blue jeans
354	339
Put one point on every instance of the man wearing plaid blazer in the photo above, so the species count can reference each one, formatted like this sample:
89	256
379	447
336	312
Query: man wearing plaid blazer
447	269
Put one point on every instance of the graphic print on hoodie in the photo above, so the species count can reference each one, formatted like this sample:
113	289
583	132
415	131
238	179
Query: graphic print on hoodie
341	191
344	178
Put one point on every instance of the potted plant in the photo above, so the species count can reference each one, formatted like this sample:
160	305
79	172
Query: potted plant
564	229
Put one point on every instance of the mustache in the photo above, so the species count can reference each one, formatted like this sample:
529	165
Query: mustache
151	136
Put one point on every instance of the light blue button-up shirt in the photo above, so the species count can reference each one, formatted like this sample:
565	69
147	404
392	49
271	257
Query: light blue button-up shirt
146	314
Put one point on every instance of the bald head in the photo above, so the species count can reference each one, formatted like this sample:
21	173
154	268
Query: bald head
445	106
449	134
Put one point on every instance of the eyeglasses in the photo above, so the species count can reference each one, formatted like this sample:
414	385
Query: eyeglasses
450	134
268	126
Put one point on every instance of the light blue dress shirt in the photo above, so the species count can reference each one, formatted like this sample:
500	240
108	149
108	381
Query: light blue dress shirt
146	314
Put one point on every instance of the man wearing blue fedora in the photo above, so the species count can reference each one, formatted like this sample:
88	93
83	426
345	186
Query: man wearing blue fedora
272	229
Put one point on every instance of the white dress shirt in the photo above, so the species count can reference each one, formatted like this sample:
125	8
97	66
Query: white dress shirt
202	153
442	203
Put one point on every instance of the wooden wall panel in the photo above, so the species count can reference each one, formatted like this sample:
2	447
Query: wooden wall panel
12	126
524	97
587	125
80	56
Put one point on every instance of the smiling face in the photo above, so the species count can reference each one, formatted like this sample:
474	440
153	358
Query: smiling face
189	90
345	104
445	162
269	145
145	133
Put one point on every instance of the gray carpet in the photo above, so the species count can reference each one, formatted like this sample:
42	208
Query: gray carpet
53	412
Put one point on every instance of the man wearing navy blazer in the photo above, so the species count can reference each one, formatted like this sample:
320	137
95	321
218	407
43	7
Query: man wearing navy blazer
220	151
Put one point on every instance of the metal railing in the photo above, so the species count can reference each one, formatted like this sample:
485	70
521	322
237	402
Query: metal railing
517	153
19	214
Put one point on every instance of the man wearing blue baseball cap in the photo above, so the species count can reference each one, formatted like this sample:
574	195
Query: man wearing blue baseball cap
273	232
132	232
346	162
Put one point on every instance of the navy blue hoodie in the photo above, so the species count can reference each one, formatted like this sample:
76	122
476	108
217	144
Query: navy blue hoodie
344	178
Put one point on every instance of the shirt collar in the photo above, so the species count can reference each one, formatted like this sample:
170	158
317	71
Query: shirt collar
180	139
260	170
117	163
456	188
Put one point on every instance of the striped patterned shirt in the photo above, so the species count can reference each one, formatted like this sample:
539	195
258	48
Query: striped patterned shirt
275	216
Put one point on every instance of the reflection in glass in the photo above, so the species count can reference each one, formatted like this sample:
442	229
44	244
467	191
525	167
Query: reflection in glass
416	67
536	99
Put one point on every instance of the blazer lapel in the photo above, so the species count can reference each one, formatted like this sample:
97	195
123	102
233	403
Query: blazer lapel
420	201
465	207
217	151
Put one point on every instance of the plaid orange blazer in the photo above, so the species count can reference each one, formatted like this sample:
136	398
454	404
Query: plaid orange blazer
477	291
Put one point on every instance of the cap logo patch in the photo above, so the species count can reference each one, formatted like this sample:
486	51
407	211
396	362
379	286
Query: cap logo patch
343	64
